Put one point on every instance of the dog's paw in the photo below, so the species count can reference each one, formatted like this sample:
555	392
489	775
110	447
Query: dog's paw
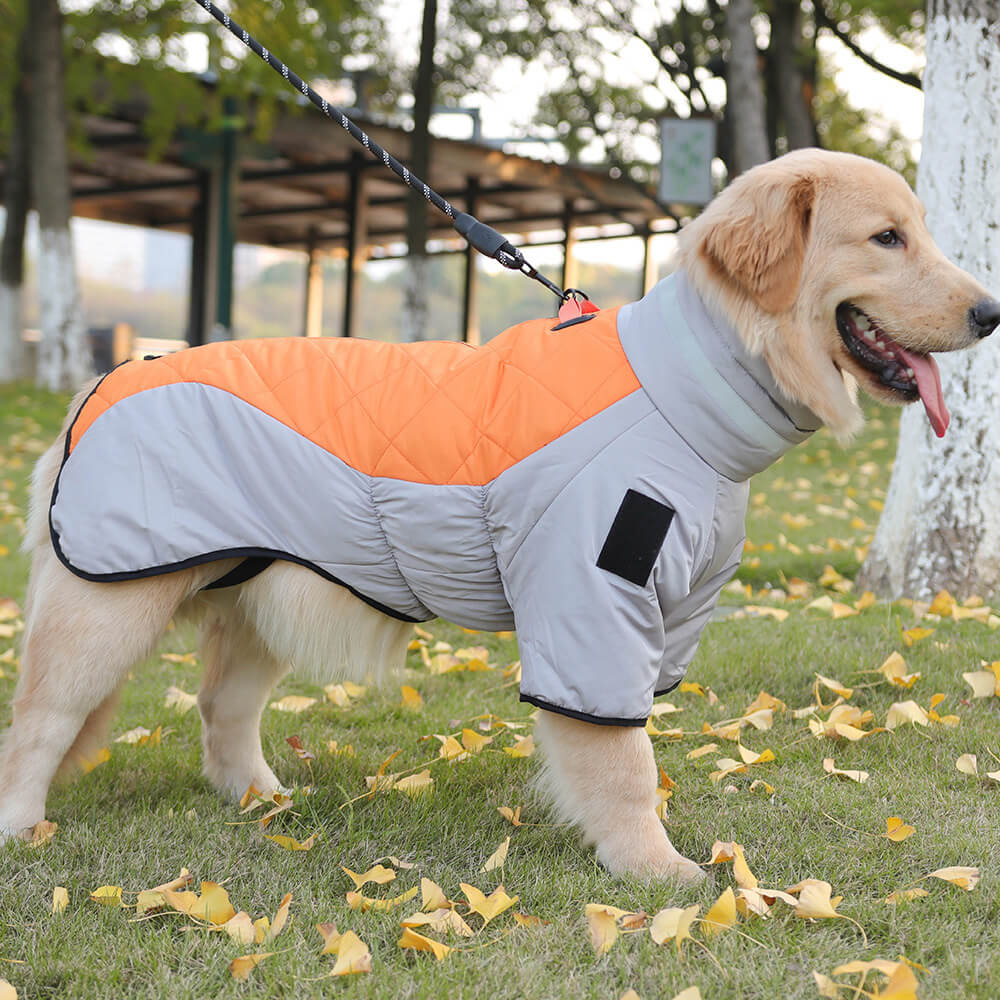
649	854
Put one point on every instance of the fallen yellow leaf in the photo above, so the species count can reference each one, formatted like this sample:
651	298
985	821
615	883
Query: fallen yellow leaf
290	843
352	956
411	698
490	906
964	878
108	895
60	899
240	968
722	914
293	703
497	858
380	875
967	764
673	924
859	776
896	830
418	942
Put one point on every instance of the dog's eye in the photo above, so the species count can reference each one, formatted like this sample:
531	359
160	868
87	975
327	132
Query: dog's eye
888	238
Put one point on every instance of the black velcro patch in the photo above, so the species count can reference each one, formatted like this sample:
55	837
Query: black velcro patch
635	538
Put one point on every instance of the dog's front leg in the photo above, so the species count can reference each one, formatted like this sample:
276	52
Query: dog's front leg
603	779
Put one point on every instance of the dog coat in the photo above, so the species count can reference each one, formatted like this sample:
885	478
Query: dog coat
584	482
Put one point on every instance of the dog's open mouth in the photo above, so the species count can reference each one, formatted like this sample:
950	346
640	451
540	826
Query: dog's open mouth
907	373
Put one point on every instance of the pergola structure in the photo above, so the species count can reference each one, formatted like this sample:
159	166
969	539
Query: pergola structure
311	187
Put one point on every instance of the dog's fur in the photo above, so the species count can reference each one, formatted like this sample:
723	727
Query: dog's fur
775	254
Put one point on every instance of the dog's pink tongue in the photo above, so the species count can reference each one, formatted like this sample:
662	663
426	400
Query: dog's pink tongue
929	386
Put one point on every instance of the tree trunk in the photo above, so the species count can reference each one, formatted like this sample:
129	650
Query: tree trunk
418	266
941	523
64	355
792	89
744	90
13	356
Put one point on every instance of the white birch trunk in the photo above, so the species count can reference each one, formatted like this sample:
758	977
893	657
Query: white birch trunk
744	90
64	360
13	354
941	524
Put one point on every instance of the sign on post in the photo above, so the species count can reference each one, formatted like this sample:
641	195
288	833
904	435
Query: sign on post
687	146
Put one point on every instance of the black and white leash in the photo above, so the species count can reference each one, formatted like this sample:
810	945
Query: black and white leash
480	236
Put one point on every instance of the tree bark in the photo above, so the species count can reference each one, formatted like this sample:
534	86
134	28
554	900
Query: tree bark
941	523
64	359
793	86
744	90
17	193
414	326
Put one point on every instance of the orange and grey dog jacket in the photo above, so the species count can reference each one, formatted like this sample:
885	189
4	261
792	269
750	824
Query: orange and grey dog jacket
584	482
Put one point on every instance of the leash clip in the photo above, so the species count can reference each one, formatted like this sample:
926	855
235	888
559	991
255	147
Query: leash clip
575	303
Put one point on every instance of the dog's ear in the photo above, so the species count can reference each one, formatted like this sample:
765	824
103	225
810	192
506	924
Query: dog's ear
757	237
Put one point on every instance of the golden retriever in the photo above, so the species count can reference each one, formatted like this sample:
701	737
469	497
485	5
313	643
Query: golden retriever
823	265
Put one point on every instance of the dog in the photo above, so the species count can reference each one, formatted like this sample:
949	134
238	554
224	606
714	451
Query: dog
565	473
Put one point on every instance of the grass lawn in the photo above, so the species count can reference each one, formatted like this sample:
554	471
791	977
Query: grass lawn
138	818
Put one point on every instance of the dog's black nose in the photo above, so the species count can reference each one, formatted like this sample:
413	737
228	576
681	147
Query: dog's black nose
984	317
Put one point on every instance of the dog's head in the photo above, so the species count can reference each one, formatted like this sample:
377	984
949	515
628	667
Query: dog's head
824	264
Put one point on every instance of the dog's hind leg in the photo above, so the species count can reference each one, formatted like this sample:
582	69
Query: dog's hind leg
239	674
603	779
80	641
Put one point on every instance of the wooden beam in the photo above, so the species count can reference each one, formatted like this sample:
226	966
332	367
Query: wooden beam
570	271
357	210
470	289
312	325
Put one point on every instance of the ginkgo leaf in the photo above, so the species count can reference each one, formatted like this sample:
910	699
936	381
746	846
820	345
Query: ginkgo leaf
444	918
752	901
745	878
815	900
290	843
212	905
108	895
41	833
280	917
603	923
300	751
60	899
473	741
896	830
762	718
895	672
673	924
331	938
524	746
418	942
497	858
415	784
337	694
352	956
835	686
982	682
513	816
490	906
293	703
432	895
281	802
356	901
702	751
379	874
964	878
942	604
451	749
411	698
912	635
905	711
826	986
722	914
905	895
859	776
240	968
87	762
240	928
691	993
